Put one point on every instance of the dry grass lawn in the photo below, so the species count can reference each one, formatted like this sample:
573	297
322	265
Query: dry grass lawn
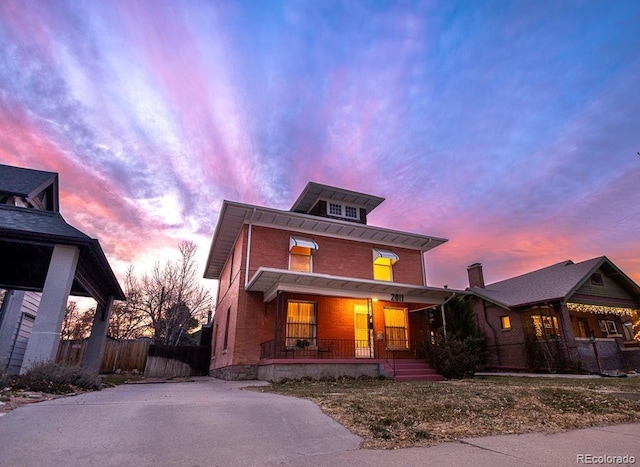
395	415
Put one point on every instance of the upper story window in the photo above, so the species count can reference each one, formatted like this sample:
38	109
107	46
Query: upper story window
343	210
301	254
383	261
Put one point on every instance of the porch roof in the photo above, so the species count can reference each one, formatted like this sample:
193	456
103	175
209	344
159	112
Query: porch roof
270	281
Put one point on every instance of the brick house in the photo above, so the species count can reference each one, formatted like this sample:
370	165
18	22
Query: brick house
558	316
316	291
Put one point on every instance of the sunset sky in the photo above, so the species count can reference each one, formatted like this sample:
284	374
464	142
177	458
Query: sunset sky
512	128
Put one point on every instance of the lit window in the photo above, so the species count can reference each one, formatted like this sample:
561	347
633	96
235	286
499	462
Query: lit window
383	262
300	253
301	324
395	328
546	326
505	322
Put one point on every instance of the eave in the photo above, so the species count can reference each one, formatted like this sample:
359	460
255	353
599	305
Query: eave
234	215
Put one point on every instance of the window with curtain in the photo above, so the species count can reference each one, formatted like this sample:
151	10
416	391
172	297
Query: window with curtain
383	262
301	324
301	251
395	328
300	259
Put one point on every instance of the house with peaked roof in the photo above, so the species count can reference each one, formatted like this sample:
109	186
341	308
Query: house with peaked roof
567	314
44	260
317	291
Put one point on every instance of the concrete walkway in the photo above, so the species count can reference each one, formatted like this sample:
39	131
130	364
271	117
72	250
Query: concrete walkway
213	423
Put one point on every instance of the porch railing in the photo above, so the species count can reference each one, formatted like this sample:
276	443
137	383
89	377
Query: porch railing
316	348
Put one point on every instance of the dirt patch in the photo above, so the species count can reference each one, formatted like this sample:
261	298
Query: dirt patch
10	400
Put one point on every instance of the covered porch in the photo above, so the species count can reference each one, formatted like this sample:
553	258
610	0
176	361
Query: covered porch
328	326
595	337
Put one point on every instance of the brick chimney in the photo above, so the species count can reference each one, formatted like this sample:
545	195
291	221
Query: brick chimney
476	278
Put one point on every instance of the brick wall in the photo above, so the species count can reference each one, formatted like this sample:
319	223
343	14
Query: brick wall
505	347
335	256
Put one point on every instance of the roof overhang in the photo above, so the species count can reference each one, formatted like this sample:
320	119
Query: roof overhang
316	191
270	281
234	215
27	240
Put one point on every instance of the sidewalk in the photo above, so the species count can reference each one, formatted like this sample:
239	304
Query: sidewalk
612	445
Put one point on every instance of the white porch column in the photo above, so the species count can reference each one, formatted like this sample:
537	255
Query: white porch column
45	335
95	347
9	319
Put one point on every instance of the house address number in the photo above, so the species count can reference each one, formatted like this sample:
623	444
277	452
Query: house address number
396	297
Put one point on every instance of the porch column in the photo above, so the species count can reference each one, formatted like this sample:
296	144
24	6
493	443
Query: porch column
95	347
567	330
9	319
45	335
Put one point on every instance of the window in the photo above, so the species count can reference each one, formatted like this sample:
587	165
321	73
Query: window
300	254
583	328
596	279
395	328
608	327
343	210
350	211
335	209
383	262
505	322
226	329
301	324
546	326
233	255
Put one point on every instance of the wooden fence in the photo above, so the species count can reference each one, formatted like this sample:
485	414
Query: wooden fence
128	355
141	356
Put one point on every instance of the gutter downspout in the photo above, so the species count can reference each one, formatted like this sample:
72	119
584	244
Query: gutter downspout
246	270
424	266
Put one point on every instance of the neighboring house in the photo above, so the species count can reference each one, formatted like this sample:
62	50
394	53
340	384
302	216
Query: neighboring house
562	316
316	291
44	259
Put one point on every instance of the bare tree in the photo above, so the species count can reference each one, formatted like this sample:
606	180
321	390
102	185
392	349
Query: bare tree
128	321
165	303
173	299
77	322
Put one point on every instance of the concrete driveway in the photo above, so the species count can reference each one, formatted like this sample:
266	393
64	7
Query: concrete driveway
213	423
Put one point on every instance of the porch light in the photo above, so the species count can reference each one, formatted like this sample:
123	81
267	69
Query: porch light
384	256
299	242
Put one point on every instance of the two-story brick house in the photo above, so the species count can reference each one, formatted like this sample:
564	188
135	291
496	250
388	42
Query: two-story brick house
316	291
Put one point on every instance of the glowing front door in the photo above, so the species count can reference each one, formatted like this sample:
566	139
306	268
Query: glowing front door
363	336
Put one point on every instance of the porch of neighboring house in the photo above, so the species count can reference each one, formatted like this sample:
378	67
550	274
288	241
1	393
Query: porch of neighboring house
320	336
605	336
597	338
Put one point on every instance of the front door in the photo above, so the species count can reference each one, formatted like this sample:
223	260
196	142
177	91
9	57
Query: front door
363	336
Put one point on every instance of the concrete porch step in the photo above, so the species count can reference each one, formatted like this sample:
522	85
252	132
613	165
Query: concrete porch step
415	370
